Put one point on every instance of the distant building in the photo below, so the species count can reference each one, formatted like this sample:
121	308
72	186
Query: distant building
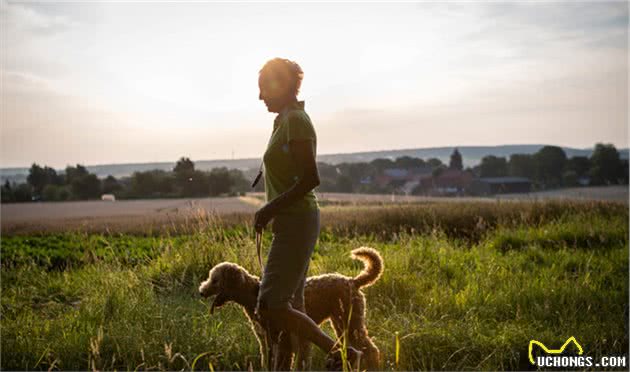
409	186
396	173
500	185
108	197
447	182
403	179
390	175
366	180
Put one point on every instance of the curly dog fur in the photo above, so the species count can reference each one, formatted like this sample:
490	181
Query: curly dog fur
333	297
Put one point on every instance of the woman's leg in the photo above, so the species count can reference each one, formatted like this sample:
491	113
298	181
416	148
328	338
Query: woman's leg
299	344
291	320
292	245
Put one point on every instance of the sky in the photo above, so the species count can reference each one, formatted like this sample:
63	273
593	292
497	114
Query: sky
128	82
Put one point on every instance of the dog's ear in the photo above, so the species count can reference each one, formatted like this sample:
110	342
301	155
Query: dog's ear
233	278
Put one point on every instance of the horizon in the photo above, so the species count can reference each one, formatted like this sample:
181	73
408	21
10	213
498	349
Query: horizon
61	168
129	83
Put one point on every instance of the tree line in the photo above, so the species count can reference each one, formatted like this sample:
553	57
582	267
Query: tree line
77	183
547	168
550	167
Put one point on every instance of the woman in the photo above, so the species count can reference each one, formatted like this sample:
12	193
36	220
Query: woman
290	176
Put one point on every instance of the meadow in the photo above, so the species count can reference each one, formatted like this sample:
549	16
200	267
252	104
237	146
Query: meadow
466	286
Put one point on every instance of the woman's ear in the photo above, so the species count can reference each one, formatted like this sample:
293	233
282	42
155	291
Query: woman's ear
281	88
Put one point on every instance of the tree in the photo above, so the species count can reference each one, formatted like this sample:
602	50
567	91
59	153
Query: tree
111	185
522	165
219	182
6	193
357	171
86	187
151	183
456	161
50	193
550	162
326	185
434	162
381	164
407	162
239	182
625	170
326	170
438	171
64	193
579	164
184	165
39	177
22	193
606	166
570	178
344	184
73	173
492	166
36	178
184	171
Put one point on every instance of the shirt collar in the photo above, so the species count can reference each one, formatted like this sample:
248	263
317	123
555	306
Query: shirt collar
297	105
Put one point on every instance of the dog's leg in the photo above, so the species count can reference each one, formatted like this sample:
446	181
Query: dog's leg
263	342
339	326
356	332
358	335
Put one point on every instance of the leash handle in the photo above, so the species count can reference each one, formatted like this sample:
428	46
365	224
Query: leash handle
258	250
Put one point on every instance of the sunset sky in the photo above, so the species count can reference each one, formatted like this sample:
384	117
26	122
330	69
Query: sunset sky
123	82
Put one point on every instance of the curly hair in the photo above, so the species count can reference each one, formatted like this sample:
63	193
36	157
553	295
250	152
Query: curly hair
285	70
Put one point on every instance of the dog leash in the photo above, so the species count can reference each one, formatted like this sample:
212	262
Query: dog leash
259	249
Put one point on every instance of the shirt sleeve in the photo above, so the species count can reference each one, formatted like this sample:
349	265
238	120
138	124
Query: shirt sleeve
300	127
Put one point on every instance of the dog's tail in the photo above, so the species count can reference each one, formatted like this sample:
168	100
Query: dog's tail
373	266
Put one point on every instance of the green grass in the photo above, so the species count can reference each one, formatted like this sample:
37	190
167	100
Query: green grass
455	294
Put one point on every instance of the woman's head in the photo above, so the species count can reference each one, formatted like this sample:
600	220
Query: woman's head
279	82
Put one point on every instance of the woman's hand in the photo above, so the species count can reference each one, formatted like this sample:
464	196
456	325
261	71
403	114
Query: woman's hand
262	217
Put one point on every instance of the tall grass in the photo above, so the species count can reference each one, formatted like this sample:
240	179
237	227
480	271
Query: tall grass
465	287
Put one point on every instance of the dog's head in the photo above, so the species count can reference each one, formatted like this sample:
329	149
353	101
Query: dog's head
225	281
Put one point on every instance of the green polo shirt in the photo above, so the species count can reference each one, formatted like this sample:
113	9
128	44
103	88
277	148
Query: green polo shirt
281	170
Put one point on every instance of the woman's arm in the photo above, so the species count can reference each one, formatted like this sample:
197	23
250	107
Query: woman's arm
303	151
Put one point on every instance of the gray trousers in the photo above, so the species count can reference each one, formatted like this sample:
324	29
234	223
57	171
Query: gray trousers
284	276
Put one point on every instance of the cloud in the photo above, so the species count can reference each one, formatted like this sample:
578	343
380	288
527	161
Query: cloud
22	21
172	77
22	82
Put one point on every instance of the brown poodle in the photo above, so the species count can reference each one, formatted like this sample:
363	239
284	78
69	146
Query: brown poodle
332	297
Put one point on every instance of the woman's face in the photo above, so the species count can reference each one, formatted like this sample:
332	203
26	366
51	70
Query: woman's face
274	92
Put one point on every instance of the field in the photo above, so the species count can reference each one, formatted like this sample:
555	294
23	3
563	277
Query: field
466	286
124	215
156	215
